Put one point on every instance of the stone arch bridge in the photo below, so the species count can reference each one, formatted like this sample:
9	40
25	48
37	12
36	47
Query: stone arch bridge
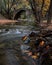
17	13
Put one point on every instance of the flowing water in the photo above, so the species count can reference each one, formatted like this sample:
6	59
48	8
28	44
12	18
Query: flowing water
10	44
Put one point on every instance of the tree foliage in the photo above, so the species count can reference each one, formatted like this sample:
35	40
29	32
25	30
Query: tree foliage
45	7
6	7
40	8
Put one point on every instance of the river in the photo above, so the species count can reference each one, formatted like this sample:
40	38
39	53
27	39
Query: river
10	43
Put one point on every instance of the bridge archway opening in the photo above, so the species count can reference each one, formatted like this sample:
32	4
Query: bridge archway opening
20	14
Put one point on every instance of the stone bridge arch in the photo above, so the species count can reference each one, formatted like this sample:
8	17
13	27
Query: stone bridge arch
17	13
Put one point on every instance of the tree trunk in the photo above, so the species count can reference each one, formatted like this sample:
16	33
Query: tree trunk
49	13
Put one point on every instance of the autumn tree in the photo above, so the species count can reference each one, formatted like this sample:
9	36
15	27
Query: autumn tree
33	4
39	8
